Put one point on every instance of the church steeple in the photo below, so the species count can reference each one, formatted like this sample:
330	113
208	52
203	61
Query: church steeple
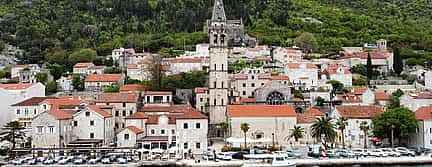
218	11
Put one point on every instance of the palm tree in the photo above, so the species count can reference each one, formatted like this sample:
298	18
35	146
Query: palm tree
342	124
12	131
324	126
296	133
245	128
224	127
365	128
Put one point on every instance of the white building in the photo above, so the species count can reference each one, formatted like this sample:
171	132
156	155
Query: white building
24	111
14	93
117	53
265	121
339	73
180	64
93	123
25	73
428	79
52	129
287	55
65	83
157	98
128	136
166	126
355	115
140	71
82	68
414	101
201	99
98	82
201	50
306	120
302	75
423	136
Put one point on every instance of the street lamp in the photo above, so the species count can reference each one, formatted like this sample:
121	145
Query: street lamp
273	140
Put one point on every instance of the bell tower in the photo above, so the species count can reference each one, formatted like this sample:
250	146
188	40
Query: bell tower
218	76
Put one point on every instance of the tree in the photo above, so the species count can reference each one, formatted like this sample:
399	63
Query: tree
338	86
306	41
369	68
320	101
57	56
397	61
78	82
296	133
112	70
402	119
324	126
365	128
224	128
341	124
12	132
56	70
51	88
42	77
359	69
112	89
82	55
245	128
398	93
298	94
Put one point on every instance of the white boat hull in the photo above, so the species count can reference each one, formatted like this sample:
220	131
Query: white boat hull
270	165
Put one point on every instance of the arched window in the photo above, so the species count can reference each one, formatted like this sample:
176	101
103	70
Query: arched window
275	98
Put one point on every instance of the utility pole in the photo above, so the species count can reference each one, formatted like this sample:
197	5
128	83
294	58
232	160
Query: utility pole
392	141
273	140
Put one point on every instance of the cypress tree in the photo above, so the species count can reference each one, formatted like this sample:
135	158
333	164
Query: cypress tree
369	69
397	61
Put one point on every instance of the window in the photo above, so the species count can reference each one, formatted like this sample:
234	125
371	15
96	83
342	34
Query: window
185	125
116	113
34	111
244	84
126	136
214	101
26	111
185	145
253	77
253	85
198	145
75	123
87	114
18	111
91	123
222	101
222	67
201	99
51	129
215	67
262	84
168	99
172	131
44	106
39	129
222	84
198	125
244	92
124	104
162	131
91	135
130	112
124	113
152	131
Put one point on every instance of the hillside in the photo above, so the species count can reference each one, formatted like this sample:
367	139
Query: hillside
52	27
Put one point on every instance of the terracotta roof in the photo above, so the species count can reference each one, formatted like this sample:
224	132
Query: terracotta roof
298	65
424	113
334	69
314	112
157	93
306	118
154	119
359	111
138	115
349	98
118	98
200	90
103	78
279	78
359	90
61	114
58	103
135	129
83	65
247	100
98	110
97	67
132	66
423	95
382	96
18	86
261	111
364	55
34	101
132	87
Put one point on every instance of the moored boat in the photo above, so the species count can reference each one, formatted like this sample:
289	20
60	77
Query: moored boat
267	160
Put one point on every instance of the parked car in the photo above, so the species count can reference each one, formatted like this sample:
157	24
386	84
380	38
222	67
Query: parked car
94	160
78	161
19	161
391	152
121	160
417	151
40	159
224	156
404	151
106	160
32	162
48	161
57	159
360	152
293	153
378	153
332	154
239	155
345	153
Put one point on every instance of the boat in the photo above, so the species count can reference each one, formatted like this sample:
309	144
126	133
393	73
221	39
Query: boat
267	160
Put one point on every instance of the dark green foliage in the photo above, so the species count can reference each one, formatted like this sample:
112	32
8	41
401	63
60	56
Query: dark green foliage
297	94
397	61
51	88
184	81
402	120
42	77
359	81
82	55
112	89
326	127
78	82
240	65
398	93
369	68
112	70
56	71
359	69
337	86
12	132
307	42
5	73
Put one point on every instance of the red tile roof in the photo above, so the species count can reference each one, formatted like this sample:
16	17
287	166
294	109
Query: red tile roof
200	90
364	55
279	78
315	112
104	78
424	113
261	111
364	112
359	90
83	65
59	103
298	65
349	98
34	101
306	118
423	95
118	98
97	67
138	115
18	86
132	87
98	110
135	129
157	93
62	114
382	96
333	69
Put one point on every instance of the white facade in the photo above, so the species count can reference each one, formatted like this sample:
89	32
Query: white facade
194	137
65	83
302	75
128	138
88	124
423	137
414	101
139	71
50	132
286	55
179	65
428	79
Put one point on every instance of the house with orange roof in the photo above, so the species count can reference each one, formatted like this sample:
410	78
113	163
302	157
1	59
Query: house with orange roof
286	55
414	101
339	73
132	88
265	122
99	82
24	111
355	115
82	68
140	71
65	83
93	124
166	126
157	98
382	98
423	136
25	73
303	75
201	99
13	93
